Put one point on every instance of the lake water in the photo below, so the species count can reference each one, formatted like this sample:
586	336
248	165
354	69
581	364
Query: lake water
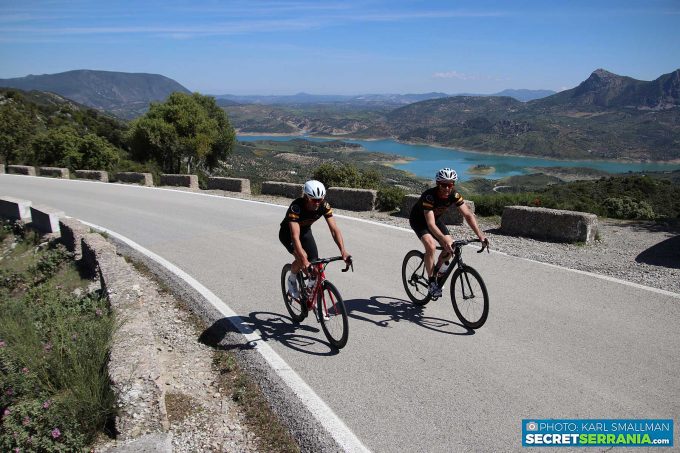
429	159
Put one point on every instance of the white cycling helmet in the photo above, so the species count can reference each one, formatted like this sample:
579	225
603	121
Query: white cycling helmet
446	174
314	189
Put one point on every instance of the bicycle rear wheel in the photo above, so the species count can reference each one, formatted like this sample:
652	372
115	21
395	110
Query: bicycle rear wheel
414	277
469	297
332	315
296	308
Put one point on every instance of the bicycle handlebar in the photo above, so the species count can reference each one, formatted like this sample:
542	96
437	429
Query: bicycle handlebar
462	242
335	258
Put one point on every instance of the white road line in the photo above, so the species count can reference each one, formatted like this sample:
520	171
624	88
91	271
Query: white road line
345	438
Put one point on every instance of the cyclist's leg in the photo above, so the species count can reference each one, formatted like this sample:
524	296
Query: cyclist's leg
445	230
309	246
430	244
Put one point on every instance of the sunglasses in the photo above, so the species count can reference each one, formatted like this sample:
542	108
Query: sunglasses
448	185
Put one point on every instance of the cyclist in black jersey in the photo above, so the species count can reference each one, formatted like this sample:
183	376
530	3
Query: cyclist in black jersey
426	221
296	230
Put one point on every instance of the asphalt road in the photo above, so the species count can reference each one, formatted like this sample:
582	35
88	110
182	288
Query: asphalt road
558	344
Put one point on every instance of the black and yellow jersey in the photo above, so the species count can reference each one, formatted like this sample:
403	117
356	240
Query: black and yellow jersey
430	201
297	213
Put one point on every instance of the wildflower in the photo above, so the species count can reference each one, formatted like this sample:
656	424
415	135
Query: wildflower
6	412
47	346
74	337
2	343
98	312
56	433
24	370
46	404
26	421
10	391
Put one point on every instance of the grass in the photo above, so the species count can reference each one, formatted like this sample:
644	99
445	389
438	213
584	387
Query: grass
54	343
271	434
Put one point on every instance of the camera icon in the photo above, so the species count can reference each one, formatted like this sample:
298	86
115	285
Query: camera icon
532	426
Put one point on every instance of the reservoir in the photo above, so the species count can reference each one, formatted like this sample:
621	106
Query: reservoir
428	159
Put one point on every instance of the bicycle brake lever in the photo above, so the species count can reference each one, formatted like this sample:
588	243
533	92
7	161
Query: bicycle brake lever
485	245
347	266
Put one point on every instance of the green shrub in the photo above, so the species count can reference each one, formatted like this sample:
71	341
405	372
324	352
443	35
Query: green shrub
390	198
627	208
347	175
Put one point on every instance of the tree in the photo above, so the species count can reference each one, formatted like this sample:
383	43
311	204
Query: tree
16	131
184	131
64	147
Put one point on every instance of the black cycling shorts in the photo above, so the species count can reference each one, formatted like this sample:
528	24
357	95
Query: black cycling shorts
306	239
421	229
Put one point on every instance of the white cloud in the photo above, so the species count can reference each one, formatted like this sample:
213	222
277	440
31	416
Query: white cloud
453	75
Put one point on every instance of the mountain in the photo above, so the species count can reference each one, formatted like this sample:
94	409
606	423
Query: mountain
306	99
126	95
605	90
525	95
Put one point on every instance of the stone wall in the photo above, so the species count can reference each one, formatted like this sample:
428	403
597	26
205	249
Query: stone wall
284	189
451	217
95	175
54	172
549	224
352	199
229	184
21	170
190	181
45	219
143	179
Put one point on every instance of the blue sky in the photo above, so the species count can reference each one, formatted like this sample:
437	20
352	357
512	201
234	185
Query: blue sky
344	47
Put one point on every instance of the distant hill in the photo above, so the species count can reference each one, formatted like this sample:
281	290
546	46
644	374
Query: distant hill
126	95
605	90
525	95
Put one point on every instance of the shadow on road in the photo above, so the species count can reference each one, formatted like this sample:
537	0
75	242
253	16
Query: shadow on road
390	310
270	326
665	253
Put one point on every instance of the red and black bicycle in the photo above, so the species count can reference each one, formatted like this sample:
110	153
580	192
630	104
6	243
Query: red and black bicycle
322	298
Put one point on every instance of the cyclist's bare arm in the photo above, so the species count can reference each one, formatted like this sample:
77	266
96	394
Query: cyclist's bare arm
472	221
443	239
337	237
300	254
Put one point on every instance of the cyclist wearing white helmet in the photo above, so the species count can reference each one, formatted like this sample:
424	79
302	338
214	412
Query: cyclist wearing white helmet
296	230
426	221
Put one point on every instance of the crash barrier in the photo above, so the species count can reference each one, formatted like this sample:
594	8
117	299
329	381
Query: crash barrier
284	189
133	363
45	219
21	170
229	184
190	181
15	209
452	216
95	175
352	199
54	172
549	224
143	179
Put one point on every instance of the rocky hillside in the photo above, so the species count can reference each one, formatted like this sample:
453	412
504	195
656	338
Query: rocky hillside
126	95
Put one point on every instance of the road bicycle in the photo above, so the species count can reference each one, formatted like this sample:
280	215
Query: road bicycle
469	296
323	299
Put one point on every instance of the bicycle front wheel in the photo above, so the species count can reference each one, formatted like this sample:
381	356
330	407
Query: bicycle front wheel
414	277
469	297
297	309
332	315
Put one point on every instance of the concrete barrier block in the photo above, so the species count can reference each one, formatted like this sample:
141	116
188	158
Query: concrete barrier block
352	199
2	168
54	172
95	175
143	179
21	170
549	224
72	233
229	184
451	217
15	209
284	189
45	219
190	181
